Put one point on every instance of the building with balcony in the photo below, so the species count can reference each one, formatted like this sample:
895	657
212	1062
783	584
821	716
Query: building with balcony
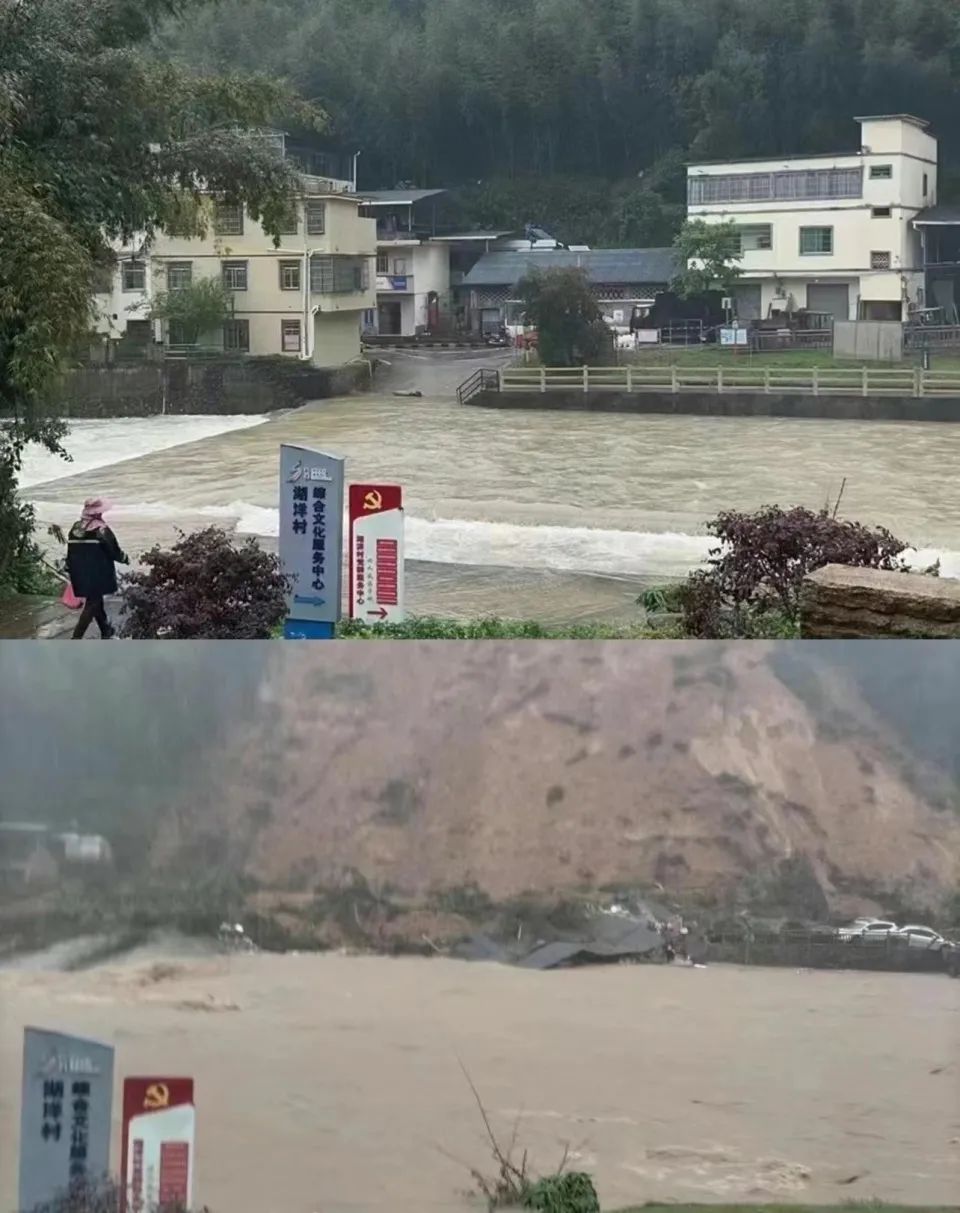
304	299
831	234
939	231
413	266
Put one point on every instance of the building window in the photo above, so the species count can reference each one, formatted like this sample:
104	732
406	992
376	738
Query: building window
816	241
926	185
879	261
316	218
754	236
339	275
920	296
881	212
234	275
788	186
228	219
236	336
881	172
133	275
383	263
290	336
290	275
400	267
179	275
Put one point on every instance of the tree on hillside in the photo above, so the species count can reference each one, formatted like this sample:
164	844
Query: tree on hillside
709	257
98	140
561	304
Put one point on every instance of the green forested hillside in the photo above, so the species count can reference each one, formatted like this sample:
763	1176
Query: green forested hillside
579	113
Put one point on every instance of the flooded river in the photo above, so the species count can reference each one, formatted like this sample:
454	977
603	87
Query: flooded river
553	515
333	1083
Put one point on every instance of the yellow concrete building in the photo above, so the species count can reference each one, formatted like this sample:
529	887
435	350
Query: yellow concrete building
305	299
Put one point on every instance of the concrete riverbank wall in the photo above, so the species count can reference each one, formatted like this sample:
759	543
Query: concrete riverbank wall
202	386
732	404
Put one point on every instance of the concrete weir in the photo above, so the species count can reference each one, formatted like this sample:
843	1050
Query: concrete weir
739	404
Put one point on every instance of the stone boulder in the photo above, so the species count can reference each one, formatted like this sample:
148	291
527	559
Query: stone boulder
839	602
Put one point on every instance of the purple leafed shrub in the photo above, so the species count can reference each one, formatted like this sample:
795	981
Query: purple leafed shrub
206	587
762	559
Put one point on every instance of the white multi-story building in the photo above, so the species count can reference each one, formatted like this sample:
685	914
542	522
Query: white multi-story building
413	266
830	234
304	299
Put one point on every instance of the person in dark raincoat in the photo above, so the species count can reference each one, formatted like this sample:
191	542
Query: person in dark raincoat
92	556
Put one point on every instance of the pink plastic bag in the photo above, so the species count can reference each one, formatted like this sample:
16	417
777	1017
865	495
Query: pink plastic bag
70	600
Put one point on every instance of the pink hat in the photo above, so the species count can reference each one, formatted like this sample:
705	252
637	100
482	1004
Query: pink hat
93	511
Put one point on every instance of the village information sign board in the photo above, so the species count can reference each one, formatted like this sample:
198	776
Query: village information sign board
376	553
158	1144
64	1115
311	539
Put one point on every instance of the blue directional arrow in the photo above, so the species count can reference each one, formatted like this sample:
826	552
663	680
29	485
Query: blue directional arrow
314	602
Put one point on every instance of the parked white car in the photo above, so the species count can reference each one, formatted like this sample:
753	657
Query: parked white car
920	937
868	930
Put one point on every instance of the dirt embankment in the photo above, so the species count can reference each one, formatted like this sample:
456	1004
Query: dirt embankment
565	768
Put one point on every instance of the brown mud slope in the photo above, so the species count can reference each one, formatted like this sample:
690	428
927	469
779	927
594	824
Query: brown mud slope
557	767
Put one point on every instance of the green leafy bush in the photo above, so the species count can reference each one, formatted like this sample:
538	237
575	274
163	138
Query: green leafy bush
195	310
570	1193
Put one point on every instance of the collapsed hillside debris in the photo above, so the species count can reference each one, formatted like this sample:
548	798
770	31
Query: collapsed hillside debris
610	935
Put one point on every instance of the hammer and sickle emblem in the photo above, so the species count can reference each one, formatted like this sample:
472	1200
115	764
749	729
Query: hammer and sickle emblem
373	501
157	1096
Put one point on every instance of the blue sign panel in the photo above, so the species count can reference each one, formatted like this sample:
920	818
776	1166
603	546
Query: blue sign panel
311	535
398	282
64	1115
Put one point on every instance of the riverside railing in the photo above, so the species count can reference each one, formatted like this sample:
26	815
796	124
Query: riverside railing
804	949
811	381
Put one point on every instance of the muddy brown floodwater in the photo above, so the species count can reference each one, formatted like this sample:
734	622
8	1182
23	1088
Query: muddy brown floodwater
521	513
332	1083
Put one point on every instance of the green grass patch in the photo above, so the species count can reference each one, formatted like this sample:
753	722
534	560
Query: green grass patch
429	627
432	627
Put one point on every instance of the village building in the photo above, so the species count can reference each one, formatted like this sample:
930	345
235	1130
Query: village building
304	299
625	281
835	234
